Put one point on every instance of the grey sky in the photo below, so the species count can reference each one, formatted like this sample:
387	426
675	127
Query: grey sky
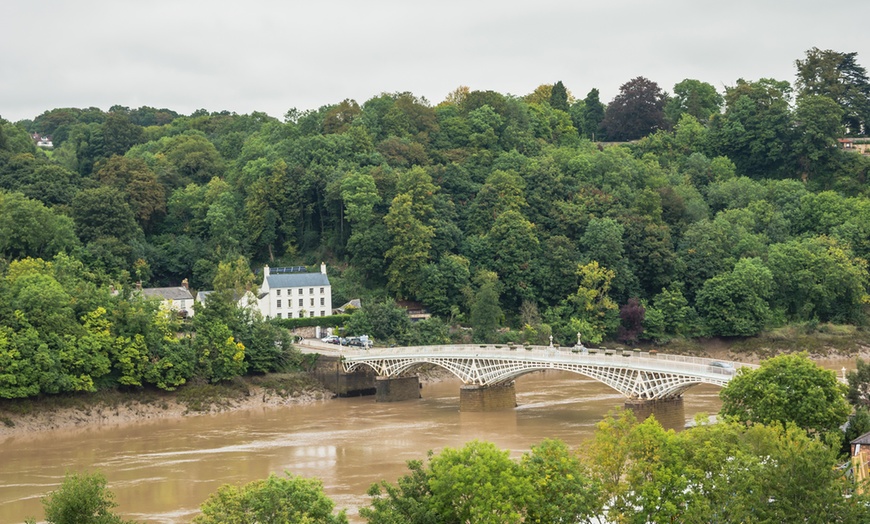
271	55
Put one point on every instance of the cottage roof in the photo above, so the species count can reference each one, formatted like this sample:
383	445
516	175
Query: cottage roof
168	293
297	280
863	439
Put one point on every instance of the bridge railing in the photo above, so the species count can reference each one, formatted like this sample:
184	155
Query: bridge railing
593	356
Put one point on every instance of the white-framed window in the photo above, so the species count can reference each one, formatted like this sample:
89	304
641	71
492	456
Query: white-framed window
321	291
311	291
323	313
322	301
278	292
300	302
312	301
279	303
279	315
300	290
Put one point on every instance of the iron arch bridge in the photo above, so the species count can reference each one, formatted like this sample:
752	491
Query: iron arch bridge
637	375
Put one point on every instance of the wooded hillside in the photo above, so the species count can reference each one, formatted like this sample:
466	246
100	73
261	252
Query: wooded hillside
657	215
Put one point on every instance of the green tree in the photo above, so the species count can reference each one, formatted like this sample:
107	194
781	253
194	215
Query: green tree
787	389
81	499
818	278
502	192
559	97
562	488
513	248
275	500
589	310
219	355
735	303
486	314
590	115
385	321
29	229
409	253
233	278
837	76
448	489
818	126
695	98
103	212
756	129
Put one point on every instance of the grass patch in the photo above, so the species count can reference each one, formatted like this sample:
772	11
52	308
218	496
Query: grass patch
205	396
684	346
285	385
83	402
814	338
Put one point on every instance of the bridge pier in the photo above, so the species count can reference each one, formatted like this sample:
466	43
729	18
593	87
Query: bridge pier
487	398
670	412
395	389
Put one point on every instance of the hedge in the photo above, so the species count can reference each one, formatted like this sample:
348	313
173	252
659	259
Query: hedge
293	323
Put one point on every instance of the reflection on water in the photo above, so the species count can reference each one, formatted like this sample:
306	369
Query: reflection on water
162	471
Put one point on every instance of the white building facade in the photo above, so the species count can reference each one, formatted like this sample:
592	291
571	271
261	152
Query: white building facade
295	293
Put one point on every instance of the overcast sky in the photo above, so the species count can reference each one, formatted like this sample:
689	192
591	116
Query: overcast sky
272	55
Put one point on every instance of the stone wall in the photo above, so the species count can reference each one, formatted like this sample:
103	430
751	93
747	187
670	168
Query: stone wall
329	372
396	389
487	398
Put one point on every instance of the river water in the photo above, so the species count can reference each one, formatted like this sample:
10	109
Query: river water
161	471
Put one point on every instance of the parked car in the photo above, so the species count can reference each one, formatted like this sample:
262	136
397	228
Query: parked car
331	339
726	368
362	341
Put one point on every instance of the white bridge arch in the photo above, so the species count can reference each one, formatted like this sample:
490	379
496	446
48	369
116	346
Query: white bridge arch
637	375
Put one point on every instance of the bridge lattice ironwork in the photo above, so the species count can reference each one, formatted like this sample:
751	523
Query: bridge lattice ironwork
637	375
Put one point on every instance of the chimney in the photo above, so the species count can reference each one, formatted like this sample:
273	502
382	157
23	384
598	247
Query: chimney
323	267
185	284
265	271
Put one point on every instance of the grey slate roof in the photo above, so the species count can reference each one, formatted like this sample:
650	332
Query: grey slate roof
297	280
863	439
168	293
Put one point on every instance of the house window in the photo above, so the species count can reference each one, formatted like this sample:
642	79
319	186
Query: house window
300	290
278	292
300	302
311	291
279	315
279	303
321	291
311	313
312	301
322	301
322	313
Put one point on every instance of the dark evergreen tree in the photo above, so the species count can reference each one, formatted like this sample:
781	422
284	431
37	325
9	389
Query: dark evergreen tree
559	97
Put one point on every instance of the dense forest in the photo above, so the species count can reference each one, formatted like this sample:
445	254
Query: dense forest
654	216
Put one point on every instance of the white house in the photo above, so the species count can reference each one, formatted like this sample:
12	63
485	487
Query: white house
176	299
292	292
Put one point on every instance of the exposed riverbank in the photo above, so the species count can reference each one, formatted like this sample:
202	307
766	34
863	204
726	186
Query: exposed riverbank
21	417
113	408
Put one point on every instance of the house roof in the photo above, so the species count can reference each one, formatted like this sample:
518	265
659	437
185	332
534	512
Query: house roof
297	280
168	293
863	439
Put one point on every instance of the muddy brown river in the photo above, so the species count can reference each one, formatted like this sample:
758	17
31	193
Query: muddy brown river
161	471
